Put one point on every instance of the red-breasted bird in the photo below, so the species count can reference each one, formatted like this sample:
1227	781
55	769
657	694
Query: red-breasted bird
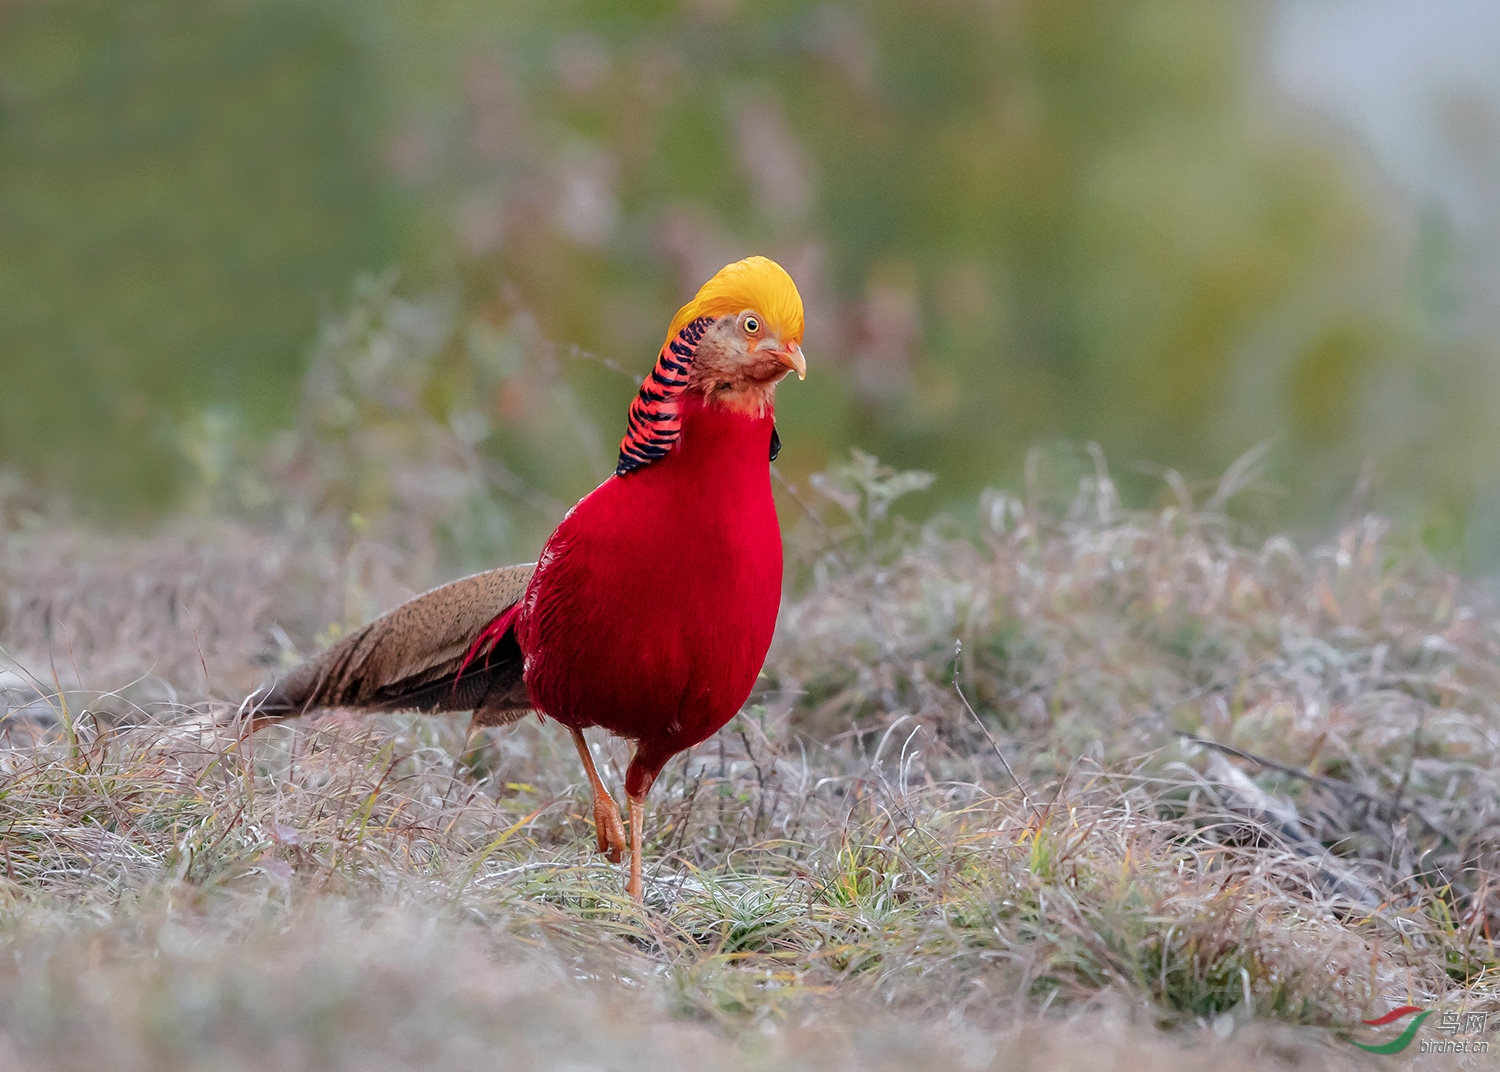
651	607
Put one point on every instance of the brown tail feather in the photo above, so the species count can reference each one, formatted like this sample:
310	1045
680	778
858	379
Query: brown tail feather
410	659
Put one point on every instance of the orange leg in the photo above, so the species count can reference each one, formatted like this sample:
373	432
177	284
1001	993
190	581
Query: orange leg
607	825
644	766
637	820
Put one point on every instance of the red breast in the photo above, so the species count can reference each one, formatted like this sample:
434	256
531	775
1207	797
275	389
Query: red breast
653	604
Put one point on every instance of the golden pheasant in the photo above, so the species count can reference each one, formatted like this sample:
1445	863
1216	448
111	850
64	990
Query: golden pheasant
650	609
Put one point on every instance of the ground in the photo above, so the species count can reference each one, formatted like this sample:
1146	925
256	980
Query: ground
1073	786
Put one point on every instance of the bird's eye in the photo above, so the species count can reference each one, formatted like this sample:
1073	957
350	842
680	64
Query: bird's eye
752	324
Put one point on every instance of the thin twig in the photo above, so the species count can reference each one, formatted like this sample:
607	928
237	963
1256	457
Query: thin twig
829	538
958	651
1333	785
1411	760
578	353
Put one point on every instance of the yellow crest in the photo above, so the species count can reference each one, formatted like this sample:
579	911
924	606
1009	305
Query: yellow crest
757	283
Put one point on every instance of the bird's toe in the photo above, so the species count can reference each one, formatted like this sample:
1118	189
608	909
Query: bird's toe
610	831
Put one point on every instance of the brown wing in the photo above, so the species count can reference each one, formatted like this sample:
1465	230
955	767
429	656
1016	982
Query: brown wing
409	659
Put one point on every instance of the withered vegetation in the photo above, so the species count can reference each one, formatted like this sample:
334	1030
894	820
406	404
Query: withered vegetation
1067	785
1248	801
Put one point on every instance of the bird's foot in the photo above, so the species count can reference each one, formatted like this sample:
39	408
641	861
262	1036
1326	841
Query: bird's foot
609	828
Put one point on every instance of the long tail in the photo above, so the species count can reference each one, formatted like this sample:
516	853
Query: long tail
445	650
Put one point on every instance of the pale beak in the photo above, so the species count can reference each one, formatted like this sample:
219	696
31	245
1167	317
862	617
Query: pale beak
792	358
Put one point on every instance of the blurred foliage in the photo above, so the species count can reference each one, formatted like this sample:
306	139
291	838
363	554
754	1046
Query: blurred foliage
184	186
1012	222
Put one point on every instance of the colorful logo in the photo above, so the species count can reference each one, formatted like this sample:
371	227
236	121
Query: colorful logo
1401	1041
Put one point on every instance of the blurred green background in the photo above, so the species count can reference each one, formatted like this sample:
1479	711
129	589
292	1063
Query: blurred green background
1013	222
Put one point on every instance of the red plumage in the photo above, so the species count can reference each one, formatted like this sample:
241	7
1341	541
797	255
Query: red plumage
653	604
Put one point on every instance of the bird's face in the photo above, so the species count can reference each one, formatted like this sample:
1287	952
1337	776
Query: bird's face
743	356
730	345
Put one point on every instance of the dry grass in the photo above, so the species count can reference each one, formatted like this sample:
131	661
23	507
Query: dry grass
847	877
